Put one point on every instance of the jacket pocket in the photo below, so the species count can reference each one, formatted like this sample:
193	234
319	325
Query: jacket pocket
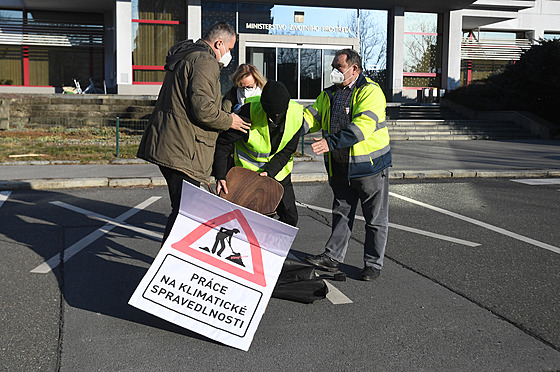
204	153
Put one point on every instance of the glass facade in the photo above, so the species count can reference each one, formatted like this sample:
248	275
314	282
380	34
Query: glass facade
44	48
11	65
296	20
310	73
156	27
496	51
11	51
472	70
551	36
303	69
422	51
219	11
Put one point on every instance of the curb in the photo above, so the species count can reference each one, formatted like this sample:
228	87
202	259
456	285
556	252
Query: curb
64	183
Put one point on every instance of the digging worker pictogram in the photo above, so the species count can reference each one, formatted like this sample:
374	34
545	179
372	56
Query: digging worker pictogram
221	236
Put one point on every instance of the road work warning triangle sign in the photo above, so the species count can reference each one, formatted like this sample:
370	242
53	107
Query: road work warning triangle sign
186	245
217	269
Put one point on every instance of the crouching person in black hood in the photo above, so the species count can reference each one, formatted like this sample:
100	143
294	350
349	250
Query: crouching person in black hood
268	147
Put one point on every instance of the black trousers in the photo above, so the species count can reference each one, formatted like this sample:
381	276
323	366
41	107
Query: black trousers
287	210
174	179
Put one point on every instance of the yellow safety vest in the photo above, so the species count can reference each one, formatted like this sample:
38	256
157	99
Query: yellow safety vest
367	135
255	154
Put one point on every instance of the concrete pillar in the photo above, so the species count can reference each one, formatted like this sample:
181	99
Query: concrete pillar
109	52
194	20
535	35
395	54
451	51
123	36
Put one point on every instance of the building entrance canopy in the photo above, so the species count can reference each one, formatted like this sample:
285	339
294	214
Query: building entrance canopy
431	6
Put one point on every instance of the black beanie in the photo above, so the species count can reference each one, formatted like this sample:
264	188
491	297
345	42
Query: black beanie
275	98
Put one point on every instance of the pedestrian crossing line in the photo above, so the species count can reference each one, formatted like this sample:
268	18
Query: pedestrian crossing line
485	225
69	252
4	196
406	228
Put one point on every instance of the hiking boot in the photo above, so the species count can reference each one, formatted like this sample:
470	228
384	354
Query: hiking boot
369	273
322	261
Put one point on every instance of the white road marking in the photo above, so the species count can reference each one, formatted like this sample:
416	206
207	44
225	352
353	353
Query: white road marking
538	181
406	228
100	217
4	196
481	224
54	261
335	296
431	234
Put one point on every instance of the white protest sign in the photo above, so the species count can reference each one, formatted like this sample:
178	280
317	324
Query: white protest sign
217	269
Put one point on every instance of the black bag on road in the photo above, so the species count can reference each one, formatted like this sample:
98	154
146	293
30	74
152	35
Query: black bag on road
299	282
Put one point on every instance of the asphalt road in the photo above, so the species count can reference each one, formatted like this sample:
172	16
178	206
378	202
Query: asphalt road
470	282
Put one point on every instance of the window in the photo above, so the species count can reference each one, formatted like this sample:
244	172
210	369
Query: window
304	69
156	27
44	48
422	51
220	11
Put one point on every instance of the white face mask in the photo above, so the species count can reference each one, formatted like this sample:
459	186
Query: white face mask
225	59
243	93
337	77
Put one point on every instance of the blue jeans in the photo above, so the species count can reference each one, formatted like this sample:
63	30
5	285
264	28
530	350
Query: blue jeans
373	193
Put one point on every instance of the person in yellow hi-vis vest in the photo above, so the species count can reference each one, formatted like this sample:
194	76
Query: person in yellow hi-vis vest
355	144
269	145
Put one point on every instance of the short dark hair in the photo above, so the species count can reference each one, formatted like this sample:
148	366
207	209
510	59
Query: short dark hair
352	57
221	30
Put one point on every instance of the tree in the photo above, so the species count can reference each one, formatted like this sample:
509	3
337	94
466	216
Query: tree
421	49
372	37
372	40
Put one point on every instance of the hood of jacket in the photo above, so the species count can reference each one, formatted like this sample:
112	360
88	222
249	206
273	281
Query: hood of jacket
180	50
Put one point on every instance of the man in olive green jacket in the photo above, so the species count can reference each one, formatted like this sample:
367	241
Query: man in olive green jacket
181	135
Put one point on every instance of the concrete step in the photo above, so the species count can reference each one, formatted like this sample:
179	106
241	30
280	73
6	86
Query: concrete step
456	129
434	111
56	99
441	121
77	117
444	125
461	137
76	110
75	122
459	130
80	107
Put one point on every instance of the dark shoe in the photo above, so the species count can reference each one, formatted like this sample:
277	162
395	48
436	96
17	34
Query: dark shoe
322	261
369	273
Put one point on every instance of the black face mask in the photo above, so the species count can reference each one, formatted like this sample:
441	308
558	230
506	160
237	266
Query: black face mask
276	119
